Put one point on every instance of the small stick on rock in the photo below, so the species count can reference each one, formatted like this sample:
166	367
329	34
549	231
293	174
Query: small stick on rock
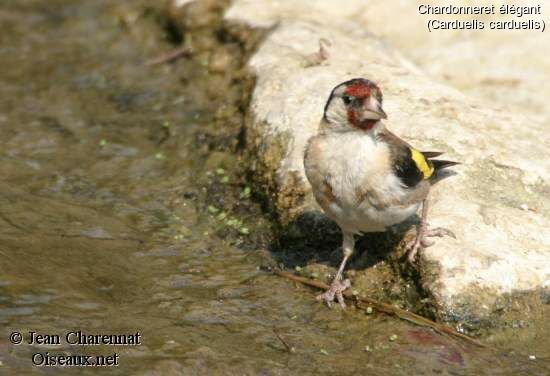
386	308
170	56
319	56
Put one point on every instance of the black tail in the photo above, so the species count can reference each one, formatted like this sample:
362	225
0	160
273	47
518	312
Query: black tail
438	164
431	154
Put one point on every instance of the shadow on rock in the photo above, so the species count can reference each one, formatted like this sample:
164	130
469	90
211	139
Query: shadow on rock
313	238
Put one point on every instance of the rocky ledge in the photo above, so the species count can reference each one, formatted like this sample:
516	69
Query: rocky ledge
497	204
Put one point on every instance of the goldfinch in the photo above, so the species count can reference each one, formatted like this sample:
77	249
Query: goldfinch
364	177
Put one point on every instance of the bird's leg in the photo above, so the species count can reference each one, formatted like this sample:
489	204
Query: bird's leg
338	286
423	233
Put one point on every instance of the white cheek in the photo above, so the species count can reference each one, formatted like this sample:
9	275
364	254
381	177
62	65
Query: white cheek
336	112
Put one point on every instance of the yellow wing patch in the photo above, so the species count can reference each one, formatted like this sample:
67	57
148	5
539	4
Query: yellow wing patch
426	168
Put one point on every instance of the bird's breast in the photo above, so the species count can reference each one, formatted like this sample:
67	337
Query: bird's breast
356	171
356	165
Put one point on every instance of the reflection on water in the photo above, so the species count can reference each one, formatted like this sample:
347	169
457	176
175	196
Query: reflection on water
104	162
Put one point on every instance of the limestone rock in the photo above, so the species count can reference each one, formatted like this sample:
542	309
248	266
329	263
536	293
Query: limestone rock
497	204
505	67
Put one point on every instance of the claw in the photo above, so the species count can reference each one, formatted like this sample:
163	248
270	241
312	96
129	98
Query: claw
423	233
335	291
421	240
412	249
440	232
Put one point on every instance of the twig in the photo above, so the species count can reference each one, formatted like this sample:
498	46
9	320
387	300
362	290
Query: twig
386	308
318	57
289	348
170	56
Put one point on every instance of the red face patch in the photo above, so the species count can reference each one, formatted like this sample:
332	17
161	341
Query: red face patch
353	117
358	90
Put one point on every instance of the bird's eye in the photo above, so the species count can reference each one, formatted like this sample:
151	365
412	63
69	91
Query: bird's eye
347	99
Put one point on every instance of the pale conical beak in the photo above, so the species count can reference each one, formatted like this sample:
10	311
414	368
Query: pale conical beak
381	113
374	111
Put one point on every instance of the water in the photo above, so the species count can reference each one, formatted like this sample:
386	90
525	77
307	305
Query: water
124	209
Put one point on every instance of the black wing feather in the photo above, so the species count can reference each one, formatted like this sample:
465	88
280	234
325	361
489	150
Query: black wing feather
404	166
441	164
431	154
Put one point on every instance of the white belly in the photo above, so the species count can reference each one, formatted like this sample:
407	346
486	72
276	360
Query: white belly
353	162
366	218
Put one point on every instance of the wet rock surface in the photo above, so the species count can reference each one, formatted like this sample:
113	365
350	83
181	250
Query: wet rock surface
496	203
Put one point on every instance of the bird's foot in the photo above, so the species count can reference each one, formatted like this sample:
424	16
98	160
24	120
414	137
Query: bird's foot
421	239
335	290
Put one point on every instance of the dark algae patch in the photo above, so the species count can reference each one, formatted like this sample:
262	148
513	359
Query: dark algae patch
126	205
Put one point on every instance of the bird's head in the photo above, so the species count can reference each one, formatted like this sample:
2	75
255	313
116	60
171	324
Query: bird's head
354	104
